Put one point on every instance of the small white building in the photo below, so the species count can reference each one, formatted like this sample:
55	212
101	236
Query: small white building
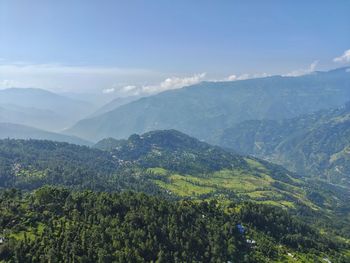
251	241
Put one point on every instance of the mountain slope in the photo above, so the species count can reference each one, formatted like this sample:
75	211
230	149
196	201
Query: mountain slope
17	131
40	108
317	144
112	105
161	161
186	167
204	110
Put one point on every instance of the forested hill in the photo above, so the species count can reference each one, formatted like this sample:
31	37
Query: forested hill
315	145
56	225
29	164
166	163
173	150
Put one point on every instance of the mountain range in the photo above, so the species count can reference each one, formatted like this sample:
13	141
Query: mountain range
205	109
272	118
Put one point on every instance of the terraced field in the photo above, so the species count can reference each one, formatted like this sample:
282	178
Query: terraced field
257	185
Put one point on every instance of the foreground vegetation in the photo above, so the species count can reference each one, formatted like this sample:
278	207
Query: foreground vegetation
57	225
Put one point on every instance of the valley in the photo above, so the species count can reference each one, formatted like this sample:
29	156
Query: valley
174	131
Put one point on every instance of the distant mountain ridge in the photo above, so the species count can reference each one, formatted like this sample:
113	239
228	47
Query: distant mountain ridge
40	108
17	131
205	109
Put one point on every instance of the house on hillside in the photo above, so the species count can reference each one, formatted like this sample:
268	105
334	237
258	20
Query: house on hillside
240	228
2	240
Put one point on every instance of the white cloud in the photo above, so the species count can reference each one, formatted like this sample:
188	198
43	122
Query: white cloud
345	58
313	66
129	88
173	83
107	91
142	89
231	78
300	72
244	76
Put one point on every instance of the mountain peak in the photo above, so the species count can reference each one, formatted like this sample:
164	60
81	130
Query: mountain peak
169	140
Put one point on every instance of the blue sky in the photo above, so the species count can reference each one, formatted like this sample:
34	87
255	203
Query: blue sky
109	45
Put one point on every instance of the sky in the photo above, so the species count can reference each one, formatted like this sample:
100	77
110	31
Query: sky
131	47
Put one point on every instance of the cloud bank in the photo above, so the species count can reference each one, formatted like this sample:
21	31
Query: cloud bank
167	84
234	77
174	83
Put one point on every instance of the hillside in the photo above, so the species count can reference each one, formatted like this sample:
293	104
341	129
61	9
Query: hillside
40	108
205	109
169	164
165	163
175	151
17	131
174	166
315	145
112	105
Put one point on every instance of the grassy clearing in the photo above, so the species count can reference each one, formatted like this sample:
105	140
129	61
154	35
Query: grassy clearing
255	184
184	188
30	233
238	181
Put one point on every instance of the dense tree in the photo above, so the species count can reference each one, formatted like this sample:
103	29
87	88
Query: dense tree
56	225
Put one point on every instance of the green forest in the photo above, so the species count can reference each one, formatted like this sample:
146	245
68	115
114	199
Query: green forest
57	225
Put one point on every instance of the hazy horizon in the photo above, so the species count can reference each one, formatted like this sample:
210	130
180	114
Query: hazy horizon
146	47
